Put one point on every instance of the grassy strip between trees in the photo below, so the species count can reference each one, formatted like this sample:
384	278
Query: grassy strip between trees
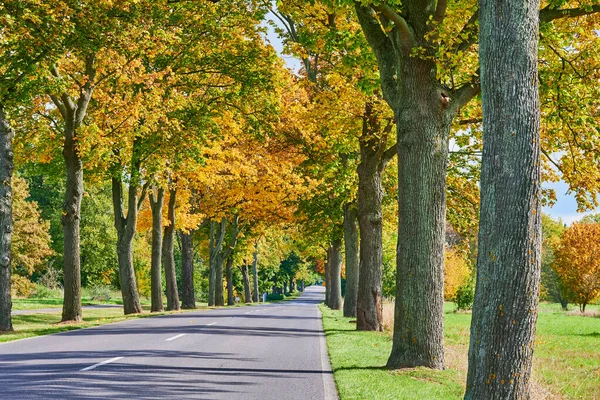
566	364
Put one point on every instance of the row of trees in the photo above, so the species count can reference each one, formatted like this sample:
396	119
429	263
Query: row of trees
191	120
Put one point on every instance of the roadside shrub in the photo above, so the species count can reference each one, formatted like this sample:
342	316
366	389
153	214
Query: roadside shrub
43	292
465	295
274	296
21	286
99	292
51	279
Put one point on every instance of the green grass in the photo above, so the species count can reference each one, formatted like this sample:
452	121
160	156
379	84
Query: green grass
357	359
566	363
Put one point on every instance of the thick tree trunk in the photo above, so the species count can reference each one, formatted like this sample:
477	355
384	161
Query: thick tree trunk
255	293
125	232
246	277
168	255
423	125
6	221
508	264
335	293
70	221
229	270
351	249
188	294
156	203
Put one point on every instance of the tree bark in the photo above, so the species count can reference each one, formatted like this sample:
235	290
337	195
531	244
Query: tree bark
246	277
373	159
351	249
327	277
73	114
125	226
188	294
6	221
229	270
156	204
255	294
335	293
423	108
168	256
509	254
219	295
70	221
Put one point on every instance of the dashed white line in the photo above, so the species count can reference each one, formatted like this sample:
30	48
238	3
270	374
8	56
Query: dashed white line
175	337
212	323
101	363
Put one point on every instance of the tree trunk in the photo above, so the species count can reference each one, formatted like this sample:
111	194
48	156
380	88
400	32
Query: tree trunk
188	294
219	295
212	276
373	160
508	264
335	294
156	203
6	221
246	277
255	294
327	277
351	248
422	130
168	256
229	271
70	221
125	232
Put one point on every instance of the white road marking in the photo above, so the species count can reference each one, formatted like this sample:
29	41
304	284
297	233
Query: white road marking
247	312
101	363
212	323
175	337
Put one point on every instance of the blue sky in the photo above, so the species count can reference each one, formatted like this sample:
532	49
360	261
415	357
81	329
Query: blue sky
565	206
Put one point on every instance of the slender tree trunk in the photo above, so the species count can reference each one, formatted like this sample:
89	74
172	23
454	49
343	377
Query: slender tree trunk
125	226
212	276
188	294
229	270
70	220
373	160
6	221
351	247
328	276
246	277
156	203
508	264
168	256
335	294
255	294
219	295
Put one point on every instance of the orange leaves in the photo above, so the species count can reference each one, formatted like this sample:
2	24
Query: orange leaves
577	261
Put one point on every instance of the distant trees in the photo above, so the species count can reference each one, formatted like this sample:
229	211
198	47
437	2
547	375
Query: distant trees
577	263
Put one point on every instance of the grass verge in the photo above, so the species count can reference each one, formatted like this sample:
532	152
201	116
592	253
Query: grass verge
566	362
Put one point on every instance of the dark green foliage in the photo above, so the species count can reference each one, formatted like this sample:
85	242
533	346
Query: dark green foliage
465	294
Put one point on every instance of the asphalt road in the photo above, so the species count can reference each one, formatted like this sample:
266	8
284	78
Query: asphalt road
267	351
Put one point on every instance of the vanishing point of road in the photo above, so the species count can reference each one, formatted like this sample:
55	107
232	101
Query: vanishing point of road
266	351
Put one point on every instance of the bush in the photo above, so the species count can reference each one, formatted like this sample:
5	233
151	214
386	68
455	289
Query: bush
274	296
465	295
51	280
43	292
21	286
99	292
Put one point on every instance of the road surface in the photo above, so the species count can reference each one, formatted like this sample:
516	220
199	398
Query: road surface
267	351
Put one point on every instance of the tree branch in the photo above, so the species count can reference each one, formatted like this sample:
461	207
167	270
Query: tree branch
406	36
548	14
464	94
440	11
